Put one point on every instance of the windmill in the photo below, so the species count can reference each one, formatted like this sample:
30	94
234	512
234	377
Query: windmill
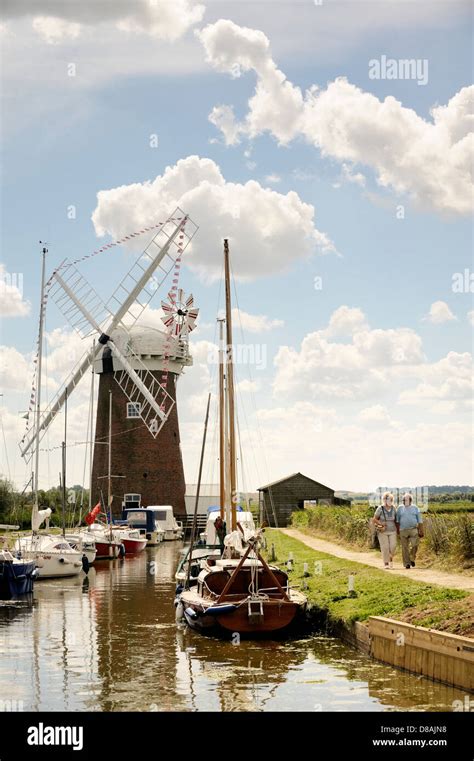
128	359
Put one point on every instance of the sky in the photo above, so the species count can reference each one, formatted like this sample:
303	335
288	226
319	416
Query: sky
331	143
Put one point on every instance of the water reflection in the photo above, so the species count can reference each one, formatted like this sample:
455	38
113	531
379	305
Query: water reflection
109	642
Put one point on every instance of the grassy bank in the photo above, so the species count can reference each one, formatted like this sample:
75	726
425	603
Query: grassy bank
378	593
448	542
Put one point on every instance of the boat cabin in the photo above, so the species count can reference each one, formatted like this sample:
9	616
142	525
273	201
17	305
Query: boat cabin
164	519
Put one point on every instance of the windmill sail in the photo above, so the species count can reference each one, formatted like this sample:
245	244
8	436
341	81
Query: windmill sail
87	314
152	268
47	417
78	301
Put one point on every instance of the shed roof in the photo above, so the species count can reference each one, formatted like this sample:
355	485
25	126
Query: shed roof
288	478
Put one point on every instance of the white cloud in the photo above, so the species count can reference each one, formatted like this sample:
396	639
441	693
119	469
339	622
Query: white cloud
448	380
376	416
246	386
348	174
14	369
345	322
470	316
273	178
314	440
322	368
254	323
223	118
54	30
428	160
262	225
11	296
439	313
55	21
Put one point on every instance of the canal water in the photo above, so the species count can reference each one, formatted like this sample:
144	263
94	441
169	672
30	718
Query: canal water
109	642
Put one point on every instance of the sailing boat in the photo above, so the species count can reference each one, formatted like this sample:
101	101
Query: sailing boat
107	542
53	555
237	593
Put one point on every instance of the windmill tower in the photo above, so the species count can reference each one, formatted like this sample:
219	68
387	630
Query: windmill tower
140	365
149	469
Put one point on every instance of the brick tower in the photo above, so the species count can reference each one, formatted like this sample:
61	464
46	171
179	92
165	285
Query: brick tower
141	464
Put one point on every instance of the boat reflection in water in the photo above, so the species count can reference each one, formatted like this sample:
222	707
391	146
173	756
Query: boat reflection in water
109	642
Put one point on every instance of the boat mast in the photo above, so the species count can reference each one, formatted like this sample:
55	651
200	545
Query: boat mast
109	472
222	440
230	390
38	392
198	490
91	433
63	479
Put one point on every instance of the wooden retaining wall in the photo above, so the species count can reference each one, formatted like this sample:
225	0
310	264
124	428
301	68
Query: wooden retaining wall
444	657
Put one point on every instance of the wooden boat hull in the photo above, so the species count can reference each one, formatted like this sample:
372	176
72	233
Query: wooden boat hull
276	616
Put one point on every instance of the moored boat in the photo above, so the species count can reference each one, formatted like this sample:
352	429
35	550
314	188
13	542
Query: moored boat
164	519
16	576
131	540
143	520
53	555
244	595
108	545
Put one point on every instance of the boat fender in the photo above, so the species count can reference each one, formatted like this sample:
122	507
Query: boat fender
122	551
35	573
191	613
179	589
179	611
85	564
216	610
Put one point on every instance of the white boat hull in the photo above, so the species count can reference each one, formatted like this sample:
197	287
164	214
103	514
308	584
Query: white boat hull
56	566
51	562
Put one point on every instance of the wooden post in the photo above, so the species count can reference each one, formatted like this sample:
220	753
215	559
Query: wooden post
230	390
222	446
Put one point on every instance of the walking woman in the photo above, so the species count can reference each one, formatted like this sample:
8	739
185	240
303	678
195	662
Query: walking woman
384	522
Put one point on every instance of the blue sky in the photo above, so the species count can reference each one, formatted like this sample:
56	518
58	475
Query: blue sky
67	138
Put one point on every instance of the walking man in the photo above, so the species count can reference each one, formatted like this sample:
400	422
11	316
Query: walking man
410	527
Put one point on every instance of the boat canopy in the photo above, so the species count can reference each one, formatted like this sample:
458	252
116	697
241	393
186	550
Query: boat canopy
139	517
163	516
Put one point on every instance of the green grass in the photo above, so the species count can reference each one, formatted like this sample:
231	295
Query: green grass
378	592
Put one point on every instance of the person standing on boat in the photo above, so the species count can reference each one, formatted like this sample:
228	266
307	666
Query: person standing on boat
410	528
221	530
384	522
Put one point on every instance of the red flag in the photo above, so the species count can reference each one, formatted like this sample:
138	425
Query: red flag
90	517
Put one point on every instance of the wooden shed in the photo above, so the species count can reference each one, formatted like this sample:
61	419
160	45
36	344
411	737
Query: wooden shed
280	499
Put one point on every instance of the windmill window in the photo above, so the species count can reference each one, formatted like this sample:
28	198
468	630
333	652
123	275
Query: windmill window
133	409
